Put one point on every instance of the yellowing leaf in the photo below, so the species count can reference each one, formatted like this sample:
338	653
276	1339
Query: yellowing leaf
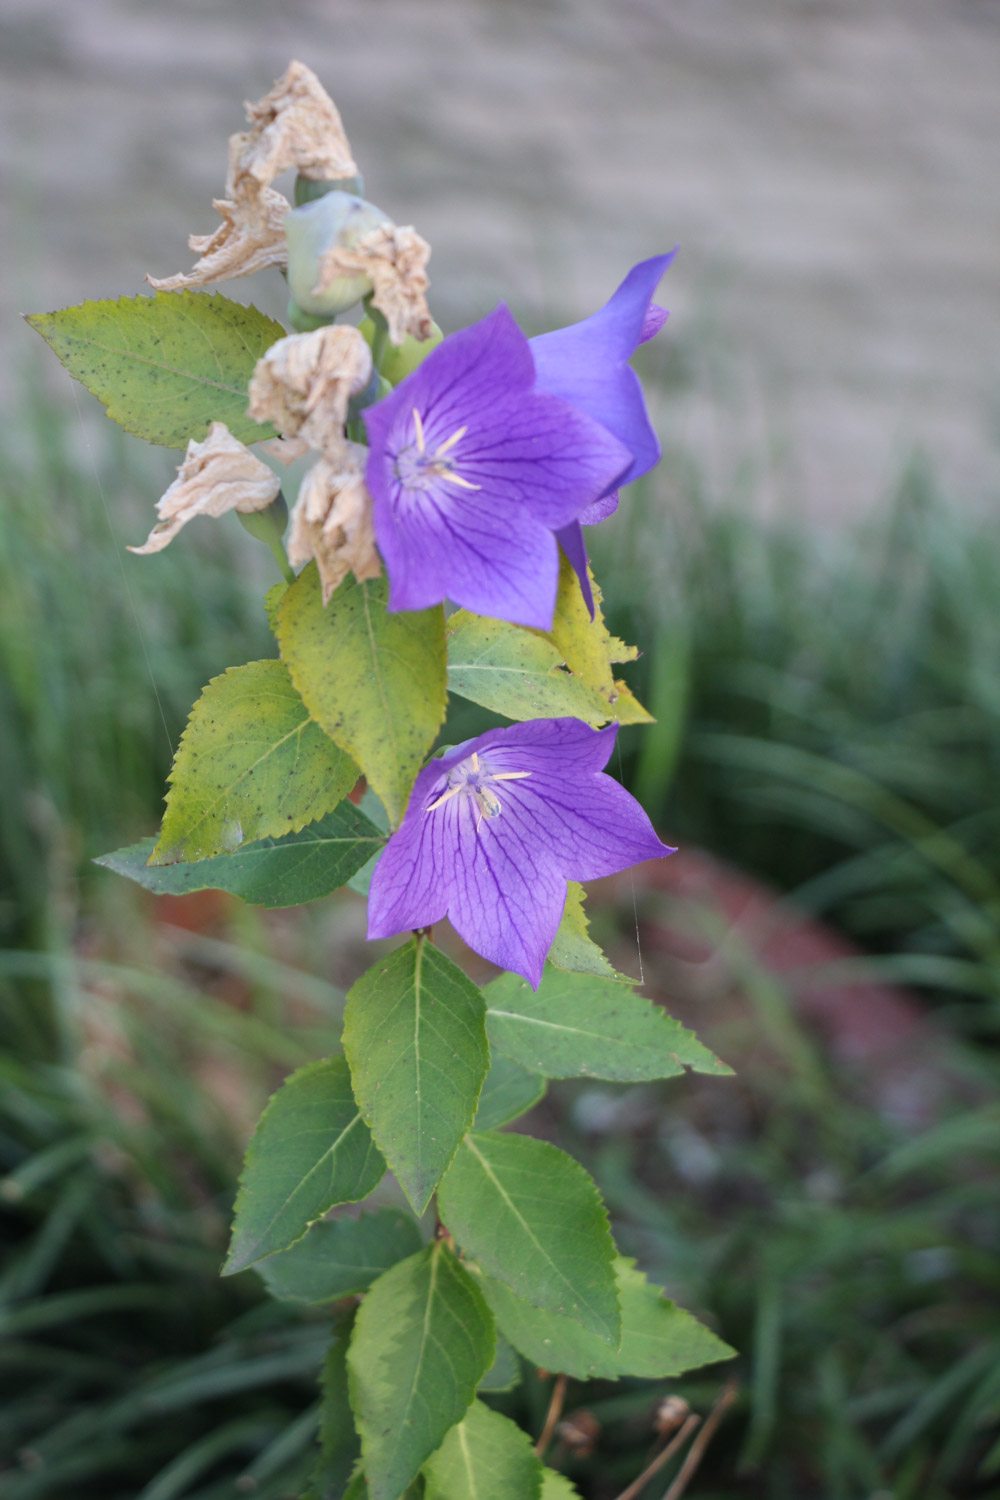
573	948
166	366
588	648
375	681
251	764
516	672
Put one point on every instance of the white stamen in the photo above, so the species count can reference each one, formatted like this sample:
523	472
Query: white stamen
418	424
450	442
466	484
451	792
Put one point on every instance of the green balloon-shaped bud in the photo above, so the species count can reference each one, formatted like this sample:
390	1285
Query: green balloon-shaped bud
335	219
400	360
266	525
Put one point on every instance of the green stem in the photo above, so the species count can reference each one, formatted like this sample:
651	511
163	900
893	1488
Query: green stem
380	334
281	558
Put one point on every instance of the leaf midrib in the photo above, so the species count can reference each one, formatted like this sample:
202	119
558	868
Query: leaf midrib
157	364
303	1180
574	1293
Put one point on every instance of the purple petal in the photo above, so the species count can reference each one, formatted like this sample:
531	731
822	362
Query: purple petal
542	454
494	829
551	747
494	562
507	895
599	510
652	323
471	470
586	364
570	539
592	827
471	368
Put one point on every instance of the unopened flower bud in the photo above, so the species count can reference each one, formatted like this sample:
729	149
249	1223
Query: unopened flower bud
335	219
268	525
670	1414
401	360
580	1433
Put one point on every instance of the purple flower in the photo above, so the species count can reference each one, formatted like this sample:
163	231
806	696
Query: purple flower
587	365
496	827
472	471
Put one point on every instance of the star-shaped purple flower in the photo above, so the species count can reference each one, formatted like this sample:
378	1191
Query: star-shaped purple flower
587	365
472	471
496	827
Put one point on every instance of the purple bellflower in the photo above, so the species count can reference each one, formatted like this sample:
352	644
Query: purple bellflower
472	471
493	831
587	365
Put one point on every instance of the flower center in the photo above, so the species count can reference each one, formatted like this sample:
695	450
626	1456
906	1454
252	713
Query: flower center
475	779
417	469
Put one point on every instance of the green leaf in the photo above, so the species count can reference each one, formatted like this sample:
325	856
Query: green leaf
272	603
166	366
573	948
269	872
486	1456
337	1258
516	672
573	1026
372	809
251	764
557	1487
658	1338
340	1446
531	1216
423	1339
588	648
310	1151
508	1092
505	1371
415	1038
375	681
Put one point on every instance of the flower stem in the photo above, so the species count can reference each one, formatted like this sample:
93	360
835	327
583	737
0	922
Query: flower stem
552	1415
380	334
638	1485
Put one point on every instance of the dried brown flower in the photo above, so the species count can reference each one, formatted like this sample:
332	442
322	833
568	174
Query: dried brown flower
250	238
304	382
332	521
217	475
394	258
295	125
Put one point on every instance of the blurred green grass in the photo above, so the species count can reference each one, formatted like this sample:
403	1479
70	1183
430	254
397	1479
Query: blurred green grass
827	718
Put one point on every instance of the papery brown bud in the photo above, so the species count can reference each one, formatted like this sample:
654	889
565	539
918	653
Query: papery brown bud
217	475
580	1432
304	383
672	1412
332	521
394	259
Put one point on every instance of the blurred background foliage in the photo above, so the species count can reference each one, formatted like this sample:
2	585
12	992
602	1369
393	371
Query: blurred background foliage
827	724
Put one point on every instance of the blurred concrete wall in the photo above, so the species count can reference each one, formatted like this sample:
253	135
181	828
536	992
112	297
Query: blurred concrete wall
830	169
